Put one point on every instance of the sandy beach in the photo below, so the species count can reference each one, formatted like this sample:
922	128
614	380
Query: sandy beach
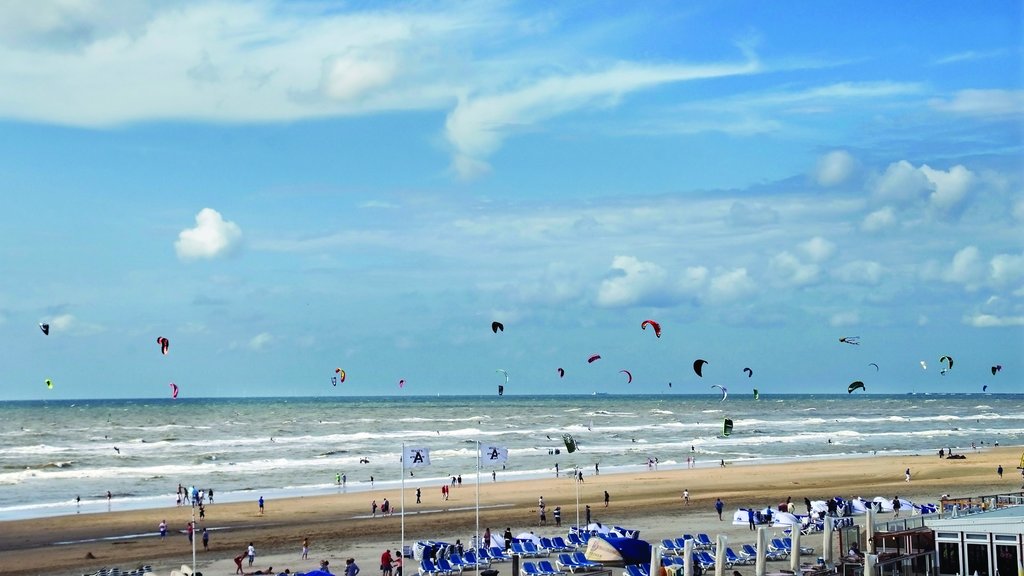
340	526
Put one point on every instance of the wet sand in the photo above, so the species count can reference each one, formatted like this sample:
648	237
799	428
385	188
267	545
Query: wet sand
340	526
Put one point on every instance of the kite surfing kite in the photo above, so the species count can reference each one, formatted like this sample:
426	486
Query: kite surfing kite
652	324
341	374
855	340
997	368
875	365
628	375
749	372
49	383
948	360
923	365
570	442
698	366
984	388
174	390
725	391
45	328
561	373
854	386
495	326
757	395
593	358
401	383
727	427
164	343
501	387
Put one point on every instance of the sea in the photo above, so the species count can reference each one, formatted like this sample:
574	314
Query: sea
62	457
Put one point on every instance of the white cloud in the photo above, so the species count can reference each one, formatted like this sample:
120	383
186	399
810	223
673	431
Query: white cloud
879	220
353	75
1006	269
859	272
835	168
788	269
62	323
818	249
479	124
980	320
842	319
901	183
636	281
731	285
967	267
950	186
212	237
993	102
260	341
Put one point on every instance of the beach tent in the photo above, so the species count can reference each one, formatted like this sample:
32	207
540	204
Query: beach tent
819	506
529	536
599	528
785	519
858	505
617	551
740	518
497	540
886	504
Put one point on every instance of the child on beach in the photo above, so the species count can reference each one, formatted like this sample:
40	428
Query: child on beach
351	569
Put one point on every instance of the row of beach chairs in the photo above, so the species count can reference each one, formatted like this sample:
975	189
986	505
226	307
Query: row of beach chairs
567	563
140	571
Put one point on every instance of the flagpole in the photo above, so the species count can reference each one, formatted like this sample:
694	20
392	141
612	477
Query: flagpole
476	535
402	501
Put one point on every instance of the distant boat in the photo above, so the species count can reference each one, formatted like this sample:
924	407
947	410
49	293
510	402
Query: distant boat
600	393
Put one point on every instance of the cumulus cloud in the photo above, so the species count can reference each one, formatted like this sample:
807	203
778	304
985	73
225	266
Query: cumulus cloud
818	249
789	270
879	220
212	237
901	183
950	186
260	341
353	75
1007	269
731	285
635	281
966	268
980	320
859	272
62	323
834	168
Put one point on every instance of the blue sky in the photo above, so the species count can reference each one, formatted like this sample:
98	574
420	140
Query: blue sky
283	188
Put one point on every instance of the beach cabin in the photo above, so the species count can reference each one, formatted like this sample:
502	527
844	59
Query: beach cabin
989	543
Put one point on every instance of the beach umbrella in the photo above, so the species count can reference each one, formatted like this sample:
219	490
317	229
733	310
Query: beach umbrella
826	541
759	564
688	557
785	519
869	563
794	551
869	522
720	555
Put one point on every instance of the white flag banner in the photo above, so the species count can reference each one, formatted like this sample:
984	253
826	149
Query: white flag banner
493	455
413	457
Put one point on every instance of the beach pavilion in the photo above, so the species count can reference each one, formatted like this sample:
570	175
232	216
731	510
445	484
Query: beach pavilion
986	543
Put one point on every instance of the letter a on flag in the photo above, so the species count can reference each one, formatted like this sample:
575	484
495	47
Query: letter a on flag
413	457
494	455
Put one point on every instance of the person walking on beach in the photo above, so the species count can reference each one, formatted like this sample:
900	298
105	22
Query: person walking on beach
508	538
373	508
398	563
597	468
606	498
896	507
163	529
417	495
686	497
261	505
385	563
385	507
238	563
719	506
750	519
344	480
206	539
1000	471
906	475
587	510
351	569
251	551
557	513
487	538
188	531
305	548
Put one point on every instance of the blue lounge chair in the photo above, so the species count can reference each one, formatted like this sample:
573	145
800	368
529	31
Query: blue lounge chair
681	542
532	569
428	568
562	544
636	570
581	559
778	548
704	542
546	568
578	540
736	560
471	558
532	549
519	550
705	560
497	554
669	547
788	542
446	567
